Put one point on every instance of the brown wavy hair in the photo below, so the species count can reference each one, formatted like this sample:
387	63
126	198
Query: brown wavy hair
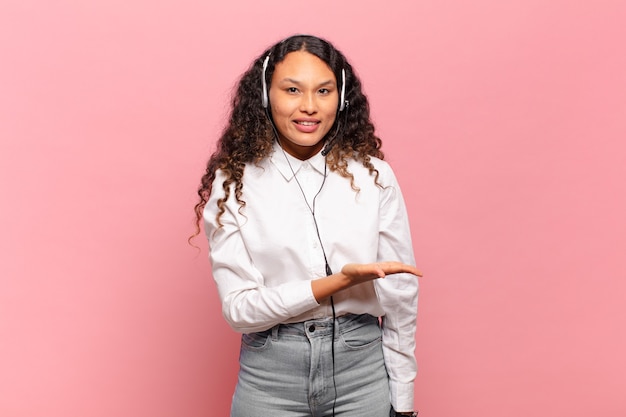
249	134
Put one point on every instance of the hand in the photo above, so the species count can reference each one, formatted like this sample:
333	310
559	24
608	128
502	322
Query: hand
358	273
353	274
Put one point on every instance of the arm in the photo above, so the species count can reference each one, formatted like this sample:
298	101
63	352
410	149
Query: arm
398	297
248	305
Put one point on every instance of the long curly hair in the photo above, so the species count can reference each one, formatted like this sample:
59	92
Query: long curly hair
249	134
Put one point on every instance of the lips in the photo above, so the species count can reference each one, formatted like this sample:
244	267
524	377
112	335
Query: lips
307	126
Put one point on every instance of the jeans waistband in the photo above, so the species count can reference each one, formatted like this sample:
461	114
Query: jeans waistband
324	326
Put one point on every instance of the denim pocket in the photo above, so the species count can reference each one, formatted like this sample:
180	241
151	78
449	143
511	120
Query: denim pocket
256	341
361	337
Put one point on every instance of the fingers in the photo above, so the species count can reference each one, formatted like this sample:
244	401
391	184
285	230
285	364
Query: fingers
359	273
364	272
397	267
379	270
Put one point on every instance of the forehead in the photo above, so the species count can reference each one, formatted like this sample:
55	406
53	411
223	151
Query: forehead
303	66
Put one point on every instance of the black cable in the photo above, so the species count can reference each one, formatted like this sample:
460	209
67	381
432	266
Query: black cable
329	271
332	348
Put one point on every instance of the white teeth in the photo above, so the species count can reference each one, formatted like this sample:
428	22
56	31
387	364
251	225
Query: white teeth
306	123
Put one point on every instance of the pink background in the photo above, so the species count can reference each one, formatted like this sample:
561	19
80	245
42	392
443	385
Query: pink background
505	122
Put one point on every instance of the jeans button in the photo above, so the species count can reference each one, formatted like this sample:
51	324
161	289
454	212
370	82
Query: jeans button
312	328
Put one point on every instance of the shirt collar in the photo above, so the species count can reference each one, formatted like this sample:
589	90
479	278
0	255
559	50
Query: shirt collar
279	158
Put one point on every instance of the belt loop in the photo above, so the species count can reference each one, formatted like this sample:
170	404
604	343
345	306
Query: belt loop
275	332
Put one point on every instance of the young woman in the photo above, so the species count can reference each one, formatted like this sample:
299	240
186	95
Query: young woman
310	243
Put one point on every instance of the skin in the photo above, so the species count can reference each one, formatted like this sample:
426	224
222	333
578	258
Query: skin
304	99
353	274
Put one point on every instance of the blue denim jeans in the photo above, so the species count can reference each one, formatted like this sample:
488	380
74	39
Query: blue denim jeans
287	371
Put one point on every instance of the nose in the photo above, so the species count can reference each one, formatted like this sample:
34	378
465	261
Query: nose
308	103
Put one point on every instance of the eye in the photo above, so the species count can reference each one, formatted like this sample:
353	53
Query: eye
324	91
291	90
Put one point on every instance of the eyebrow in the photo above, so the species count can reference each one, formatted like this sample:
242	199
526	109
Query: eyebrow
291	80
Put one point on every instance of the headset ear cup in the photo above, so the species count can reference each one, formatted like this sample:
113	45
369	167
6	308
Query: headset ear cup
264	97
342	98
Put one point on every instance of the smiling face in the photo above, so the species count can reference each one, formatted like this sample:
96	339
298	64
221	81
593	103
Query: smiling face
303	101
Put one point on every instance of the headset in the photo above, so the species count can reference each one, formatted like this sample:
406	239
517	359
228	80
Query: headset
343	103
265	95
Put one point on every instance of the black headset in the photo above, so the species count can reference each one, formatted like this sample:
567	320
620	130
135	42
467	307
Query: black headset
265	96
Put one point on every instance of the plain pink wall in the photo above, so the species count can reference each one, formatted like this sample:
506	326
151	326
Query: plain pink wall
505	122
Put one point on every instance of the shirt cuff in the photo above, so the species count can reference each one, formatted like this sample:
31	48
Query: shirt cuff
297	297
401	396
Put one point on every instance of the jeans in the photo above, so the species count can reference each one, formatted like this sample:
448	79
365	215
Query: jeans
287	371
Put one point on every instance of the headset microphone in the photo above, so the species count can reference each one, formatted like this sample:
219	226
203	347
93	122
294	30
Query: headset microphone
331	141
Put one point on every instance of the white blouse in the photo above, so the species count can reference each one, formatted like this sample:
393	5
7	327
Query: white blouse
266	254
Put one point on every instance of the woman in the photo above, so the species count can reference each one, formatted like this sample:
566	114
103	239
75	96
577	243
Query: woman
305	222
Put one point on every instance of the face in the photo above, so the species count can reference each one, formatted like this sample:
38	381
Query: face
303	100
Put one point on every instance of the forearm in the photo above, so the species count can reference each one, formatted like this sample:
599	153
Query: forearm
325	287
257	309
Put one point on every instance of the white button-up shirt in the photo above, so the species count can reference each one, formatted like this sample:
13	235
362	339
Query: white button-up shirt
266	253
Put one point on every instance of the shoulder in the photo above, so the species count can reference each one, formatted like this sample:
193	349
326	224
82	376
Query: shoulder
249	169
380	165
386	175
